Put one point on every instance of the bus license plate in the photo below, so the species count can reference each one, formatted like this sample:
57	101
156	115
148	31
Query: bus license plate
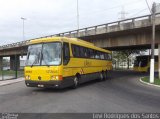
40	85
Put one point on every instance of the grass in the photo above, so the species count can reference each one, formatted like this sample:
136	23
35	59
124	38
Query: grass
156	80
10	73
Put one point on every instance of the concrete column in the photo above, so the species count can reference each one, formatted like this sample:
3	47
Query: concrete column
1	63
159	60
86	31
106	28
14	62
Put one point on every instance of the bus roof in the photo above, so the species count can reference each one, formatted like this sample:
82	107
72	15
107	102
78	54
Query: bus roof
71	40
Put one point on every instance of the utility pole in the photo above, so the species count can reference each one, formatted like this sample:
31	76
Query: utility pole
23	34
152	44
77	15
158	11
23	19
122	14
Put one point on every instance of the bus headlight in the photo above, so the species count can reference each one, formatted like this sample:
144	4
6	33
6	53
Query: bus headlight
28	77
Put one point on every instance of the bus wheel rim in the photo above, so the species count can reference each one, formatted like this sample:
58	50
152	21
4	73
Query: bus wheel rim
75	81
101	76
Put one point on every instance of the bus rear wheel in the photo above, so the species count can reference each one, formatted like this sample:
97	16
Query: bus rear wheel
101	78
105	75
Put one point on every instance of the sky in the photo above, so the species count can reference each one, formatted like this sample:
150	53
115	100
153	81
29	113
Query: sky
49	17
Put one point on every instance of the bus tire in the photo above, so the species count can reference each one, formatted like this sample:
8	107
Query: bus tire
75	82
101	78
105	75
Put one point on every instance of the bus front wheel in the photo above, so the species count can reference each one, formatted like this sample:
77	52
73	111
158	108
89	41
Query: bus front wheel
75	82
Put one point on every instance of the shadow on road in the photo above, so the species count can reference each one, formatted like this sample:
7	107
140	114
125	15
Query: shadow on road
113	76
51	90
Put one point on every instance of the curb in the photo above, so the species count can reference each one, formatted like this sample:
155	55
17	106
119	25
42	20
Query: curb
10	82
148	83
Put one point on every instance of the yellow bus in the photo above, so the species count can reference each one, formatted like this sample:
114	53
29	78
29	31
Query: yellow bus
142	63
63	62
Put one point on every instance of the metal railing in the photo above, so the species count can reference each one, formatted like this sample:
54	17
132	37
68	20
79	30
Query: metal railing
8	71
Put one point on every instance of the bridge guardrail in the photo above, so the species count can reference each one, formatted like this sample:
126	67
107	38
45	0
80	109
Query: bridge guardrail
24	43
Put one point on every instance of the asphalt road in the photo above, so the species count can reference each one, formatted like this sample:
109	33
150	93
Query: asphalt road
122	93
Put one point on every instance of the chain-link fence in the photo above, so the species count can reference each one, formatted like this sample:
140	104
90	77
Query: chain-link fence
11	67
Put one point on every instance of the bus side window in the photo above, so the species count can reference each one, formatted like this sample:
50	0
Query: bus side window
109	57
85	52
77	51
91	53
81	49
102	55
73	50
66	53
97	54
106	56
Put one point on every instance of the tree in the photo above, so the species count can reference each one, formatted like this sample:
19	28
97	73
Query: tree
124	55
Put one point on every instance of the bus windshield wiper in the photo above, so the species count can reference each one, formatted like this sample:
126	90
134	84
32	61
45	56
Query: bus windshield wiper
33	63
37	58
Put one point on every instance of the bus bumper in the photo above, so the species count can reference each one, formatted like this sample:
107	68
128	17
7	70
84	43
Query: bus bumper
43	84
49	84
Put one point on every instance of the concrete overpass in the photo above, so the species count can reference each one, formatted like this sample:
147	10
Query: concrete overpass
125	34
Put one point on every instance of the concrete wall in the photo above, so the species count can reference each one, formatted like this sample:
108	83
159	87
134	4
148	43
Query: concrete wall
14	51
141	38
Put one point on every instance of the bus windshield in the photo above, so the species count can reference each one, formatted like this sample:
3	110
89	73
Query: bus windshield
44	54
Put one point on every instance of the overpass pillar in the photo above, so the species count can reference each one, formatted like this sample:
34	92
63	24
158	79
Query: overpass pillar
14	62
1	63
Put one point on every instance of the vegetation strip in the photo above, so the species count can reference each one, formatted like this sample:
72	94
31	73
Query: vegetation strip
146	81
